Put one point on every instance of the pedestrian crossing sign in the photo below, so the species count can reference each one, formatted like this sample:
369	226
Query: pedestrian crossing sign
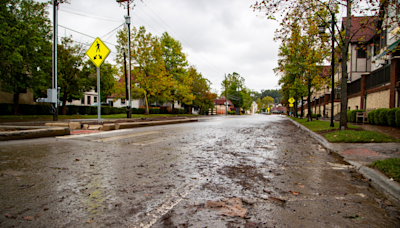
291	100
98	52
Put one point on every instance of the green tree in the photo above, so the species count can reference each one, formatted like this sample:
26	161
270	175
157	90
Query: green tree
108	82
25	33
176	64
154	83
201	88
72	82
230	79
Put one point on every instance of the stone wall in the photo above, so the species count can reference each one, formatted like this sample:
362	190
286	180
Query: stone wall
24	98
354	102
378	99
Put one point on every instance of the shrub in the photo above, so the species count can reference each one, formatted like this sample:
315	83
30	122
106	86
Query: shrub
371	116
382	117
397	117
231	112
73	110
376	116
6	109
391	116
105	110
154	111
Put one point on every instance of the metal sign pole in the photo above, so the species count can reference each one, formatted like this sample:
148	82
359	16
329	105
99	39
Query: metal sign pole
98	95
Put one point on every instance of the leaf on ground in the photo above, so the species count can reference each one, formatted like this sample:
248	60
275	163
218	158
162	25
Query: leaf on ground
90	221
295	193
301	186
28	218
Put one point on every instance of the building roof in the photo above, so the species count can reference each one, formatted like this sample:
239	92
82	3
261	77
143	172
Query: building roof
279	109
221	101
363	28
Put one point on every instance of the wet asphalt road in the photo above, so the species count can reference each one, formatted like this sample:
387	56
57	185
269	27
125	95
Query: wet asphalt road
248	171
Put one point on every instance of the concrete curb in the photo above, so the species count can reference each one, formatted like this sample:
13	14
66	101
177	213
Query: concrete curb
380	181
30	132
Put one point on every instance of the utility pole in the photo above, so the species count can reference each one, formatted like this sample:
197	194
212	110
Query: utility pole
128	22
54	56
226	100
333	69
126	84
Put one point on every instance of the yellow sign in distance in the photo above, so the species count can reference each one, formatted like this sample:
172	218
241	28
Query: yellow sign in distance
290	105
98	52
291	100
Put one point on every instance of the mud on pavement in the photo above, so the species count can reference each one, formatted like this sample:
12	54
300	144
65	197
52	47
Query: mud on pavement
258	171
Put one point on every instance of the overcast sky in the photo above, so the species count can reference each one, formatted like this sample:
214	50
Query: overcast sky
219	37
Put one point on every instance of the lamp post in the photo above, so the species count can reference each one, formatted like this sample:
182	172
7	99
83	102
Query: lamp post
128	23
321	30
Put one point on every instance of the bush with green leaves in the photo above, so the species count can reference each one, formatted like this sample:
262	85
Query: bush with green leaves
397	117
383	117
371	116
376	116
391	116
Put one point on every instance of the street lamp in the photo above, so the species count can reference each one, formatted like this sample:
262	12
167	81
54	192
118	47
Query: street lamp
321	30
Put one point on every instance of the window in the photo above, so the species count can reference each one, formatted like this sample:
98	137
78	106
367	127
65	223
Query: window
361	53
88	100
122	101
95	99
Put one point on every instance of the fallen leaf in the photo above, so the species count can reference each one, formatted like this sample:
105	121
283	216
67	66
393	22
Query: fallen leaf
301	186
77	159
8	216
295	193
146	194
28	217
90	221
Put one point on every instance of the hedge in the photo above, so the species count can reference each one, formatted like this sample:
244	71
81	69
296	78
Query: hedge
383	117
397	117
376	116
371	117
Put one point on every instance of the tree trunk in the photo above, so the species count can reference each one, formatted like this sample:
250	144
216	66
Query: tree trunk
146	111
64	100
16	102
309	114
302	107
345	48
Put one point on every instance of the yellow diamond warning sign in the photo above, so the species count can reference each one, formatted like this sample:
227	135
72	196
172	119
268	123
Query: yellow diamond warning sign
98	52
291	100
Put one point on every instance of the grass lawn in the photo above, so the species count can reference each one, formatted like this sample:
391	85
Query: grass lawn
114	116
317	125
347	136
390	166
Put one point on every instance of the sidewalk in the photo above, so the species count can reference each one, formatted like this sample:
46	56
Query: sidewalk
360	155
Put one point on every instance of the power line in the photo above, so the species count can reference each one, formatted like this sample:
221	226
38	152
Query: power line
113	30
85	34
90	16
93	14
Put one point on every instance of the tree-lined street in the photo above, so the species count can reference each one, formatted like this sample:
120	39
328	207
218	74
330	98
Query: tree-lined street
253	171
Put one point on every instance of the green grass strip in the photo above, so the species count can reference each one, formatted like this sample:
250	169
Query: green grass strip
318	125
350	136
390	166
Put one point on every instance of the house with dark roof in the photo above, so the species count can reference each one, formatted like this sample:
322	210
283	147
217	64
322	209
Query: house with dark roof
222	104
